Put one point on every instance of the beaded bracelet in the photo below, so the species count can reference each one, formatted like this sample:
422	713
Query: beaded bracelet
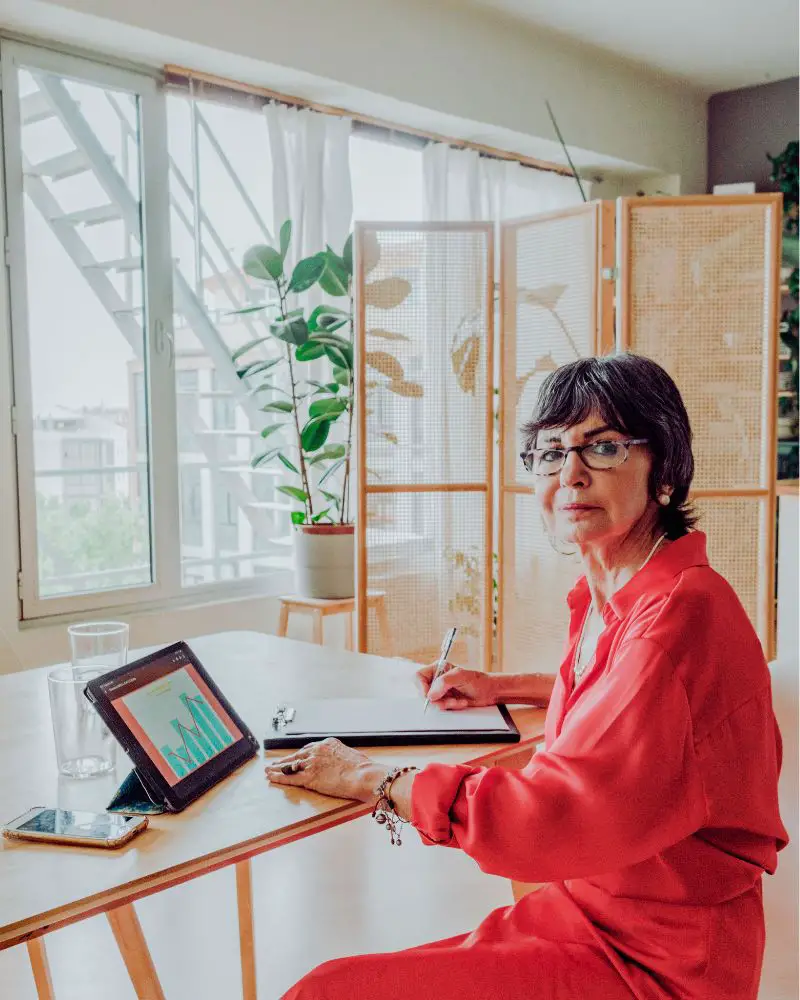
384	811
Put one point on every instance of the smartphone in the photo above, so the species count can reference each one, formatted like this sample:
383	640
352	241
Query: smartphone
63	826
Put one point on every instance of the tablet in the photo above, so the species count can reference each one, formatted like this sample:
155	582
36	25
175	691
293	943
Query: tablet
174	723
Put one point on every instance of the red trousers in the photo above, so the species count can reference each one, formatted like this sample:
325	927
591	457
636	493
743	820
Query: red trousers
474	966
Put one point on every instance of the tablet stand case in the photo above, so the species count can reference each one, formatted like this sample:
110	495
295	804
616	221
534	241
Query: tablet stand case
133	797
136	795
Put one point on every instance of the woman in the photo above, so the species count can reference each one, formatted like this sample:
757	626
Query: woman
652	811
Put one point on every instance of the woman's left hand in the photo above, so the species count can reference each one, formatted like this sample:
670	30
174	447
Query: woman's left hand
328	767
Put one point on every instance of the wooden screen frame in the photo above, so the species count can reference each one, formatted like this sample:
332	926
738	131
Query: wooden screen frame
603	321
365	489
767	491
612	330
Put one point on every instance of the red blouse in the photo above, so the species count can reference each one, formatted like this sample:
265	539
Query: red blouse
653	809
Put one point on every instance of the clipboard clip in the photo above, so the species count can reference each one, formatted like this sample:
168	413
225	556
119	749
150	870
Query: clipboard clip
284	714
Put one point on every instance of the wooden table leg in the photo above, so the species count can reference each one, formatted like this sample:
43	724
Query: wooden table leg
244	899
348	632
135	953
283	620
41	969
316	635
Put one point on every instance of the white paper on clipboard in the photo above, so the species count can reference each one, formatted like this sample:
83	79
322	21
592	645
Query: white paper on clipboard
383	715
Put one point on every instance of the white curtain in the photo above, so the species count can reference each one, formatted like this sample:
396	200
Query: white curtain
460	185
515	191
310	177
311	186
452	184
463	186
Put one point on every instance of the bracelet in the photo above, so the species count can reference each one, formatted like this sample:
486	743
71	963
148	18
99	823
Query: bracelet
384	812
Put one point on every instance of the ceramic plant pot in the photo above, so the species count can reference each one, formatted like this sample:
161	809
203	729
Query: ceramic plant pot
324	560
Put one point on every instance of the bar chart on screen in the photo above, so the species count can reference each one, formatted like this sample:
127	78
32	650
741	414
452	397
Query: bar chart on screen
178	721
201	736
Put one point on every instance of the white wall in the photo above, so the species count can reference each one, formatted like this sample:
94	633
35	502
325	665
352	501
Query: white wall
426	60
780	977
42	645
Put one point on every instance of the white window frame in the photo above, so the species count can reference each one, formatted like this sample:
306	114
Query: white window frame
166	589
158	357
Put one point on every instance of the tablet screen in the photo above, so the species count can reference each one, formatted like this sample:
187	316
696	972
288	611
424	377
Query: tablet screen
173	715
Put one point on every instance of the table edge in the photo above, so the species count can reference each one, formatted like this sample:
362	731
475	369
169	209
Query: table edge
50	920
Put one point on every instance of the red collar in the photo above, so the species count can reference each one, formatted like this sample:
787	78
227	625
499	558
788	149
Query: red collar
666	564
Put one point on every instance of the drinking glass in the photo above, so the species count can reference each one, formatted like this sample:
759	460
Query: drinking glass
84	746
103	645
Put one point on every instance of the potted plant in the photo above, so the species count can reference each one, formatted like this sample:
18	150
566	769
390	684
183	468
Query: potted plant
785	175
304	411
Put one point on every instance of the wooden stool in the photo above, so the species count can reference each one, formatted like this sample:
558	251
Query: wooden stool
320	607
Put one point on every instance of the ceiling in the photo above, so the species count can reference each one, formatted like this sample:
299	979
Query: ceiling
713	44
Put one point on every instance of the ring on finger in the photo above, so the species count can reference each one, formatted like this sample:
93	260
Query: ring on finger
293	767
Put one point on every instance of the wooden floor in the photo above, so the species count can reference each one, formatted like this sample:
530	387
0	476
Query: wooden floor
342	892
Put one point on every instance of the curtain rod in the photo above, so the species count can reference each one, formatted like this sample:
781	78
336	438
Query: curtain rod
176	74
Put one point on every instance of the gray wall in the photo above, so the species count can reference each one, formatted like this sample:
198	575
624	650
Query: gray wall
745	125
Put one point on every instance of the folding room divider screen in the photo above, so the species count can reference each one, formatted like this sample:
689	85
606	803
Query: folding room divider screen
696	287
699	284
555	307
424	349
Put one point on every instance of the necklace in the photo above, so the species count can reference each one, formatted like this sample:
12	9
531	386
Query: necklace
578	668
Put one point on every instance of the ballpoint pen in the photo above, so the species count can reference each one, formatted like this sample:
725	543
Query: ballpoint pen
440	664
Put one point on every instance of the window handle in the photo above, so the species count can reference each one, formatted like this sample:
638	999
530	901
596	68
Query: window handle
165	341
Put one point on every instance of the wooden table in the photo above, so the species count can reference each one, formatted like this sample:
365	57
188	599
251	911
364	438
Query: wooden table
45	886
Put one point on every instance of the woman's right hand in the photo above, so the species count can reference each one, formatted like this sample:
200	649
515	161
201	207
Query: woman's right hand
457	687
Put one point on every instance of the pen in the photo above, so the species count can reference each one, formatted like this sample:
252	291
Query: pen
443	654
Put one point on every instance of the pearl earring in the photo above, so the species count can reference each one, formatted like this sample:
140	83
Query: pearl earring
663	499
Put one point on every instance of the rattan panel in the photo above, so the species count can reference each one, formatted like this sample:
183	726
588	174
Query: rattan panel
698	280
549	305
737	531
537	581
428	553
548	300
426	333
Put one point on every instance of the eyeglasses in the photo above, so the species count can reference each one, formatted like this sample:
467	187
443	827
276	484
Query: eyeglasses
598	455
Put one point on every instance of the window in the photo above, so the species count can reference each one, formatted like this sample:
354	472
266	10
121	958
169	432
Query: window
192	507
223	406
226	522
187	389
140	413
81	458
387	179
124	283
82	318
227	148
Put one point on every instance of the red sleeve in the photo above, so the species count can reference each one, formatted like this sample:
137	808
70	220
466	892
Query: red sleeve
619	784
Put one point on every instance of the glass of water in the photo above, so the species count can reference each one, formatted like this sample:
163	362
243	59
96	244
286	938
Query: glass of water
103	645
84	746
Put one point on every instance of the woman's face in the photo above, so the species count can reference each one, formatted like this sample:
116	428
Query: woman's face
588	506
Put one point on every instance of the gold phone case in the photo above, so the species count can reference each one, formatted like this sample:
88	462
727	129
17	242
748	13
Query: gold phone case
53	838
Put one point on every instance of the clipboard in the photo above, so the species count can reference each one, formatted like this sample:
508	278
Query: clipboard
383	722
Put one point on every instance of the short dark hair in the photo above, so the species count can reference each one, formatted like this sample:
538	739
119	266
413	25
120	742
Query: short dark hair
635	396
